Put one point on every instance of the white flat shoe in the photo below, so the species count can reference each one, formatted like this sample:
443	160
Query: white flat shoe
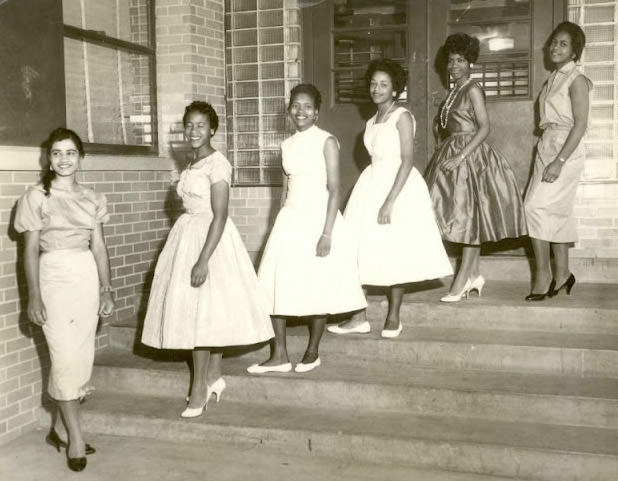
257	369
300	367
193	412
390	333
363	328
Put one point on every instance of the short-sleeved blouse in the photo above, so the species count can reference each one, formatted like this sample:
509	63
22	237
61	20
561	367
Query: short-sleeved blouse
65	219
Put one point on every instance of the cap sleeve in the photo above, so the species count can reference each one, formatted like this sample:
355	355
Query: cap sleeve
29	215
221	170
101	215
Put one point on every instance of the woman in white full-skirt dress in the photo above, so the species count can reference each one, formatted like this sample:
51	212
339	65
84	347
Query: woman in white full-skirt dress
205	294
389	213
308	268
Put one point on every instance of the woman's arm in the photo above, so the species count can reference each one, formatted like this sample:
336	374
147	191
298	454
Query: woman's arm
579	94
101	258
482	119
36	309
405	126
284	190
219	198
331	154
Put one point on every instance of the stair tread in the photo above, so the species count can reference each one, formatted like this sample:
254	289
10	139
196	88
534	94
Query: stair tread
503	294
179	461
381	424
337	368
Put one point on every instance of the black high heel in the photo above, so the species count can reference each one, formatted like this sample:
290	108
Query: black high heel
76	464
568	285
54	440
539	297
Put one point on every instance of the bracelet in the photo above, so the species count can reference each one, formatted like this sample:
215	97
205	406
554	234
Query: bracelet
561	160
105	289
325	235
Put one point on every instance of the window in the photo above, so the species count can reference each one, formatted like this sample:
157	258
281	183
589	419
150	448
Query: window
109	62
365	30
263	64
504	29
600	63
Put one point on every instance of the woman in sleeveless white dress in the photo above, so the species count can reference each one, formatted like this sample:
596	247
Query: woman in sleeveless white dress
308	268
389	213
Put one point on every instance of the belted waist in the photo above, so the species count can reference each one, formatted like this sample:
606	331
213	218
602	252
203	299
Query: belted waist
556	127
463	132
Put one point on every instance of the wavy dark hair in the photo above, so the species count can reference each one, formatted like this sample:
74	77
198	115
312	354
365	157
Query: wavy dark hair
57	135
463	44
578	37
308	89
398	75
203	108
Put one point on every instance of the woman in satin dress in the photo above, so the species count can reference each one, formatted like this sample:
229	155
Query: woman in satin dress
474	191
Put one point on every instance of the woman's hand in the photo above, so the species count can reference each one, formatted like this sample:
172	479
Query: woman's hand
323	247
36	311
452	163
106	304
552	171
199	273
385	213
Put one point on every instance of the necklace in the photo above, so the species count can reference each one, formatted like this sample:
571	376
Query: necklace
450	100
380	117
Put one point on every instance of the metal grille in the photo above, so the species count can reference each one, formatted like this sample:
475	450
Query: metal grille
599	19
263	64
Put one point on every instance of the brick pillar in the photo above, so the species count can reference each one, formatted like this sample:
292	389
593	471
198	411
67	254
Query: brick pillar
190	64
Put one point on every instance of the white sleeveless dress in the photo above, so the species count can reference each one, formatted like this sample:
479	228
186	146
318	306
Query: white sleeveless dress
297	281
410	248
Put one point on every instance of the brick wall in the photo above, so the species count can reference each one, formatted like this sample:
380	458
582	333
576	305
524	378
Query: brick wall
596	210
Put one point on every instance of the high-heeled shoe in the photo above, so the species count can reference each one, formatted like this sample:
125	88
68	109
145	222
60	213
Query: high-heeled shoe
477	285
76	464
54	440
539	297
217	388
567	285
459	296
392	333
194	412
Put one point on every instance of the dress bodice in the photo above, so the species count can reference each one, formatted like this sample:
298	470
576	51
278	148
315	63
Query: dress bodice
382	139
461	117
555	101
195	181
305	166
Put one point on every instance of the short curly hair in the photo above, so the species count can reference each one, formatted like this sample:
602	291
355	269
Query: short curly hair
578	37
463	44
310	90
398	75
202	108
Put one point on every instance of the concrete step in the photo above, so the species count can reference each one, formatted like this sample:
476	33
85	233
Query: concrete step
343	382
513	450
126	458
573	354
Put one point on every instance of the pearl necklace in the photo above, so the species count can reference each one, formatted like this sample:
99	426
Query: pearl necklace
379	118
450	100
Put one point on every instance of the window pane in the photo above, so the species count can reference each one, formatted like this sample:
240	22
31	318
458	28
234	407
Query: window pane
480	10
127	22
108	94
369	13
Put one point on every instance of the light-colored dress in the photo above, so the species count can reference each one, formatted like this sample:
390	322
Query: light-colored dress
229	308
409	249
68	280
479	200
297	281
549	205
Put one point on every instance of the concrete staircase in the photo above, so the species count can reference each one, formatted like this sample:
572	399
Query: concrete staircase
489	388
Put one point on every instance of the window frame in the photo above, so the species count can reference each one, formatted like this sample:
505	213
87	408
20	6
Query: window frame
101	39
